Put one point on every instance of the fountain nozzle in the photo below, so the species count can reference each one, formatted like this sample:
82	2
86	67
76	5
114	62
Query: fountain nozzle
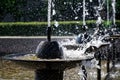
49	50
49	34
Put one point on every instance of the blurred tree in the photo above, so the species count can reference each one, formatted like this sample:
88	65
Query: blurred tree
118	10
36	10
6	6
24	10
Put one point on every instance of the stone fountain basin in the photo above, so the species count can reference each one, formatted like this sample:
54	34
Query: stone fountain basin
93	45
71	46
60	64
16	47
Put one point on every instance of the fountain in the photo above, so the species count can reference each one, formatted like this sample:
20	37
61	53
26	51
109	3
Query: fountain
48	61
52	58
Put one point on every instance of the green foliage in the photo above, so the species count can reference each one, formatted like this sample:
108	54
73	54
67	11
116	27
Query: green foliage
25	14
7	5
39	28
43	23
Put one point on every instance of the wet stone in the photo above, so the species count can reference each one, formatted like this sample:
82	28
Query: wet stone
49	50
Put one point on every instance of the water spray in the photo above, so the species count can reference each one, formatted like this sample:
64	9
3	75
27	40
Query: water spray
49	49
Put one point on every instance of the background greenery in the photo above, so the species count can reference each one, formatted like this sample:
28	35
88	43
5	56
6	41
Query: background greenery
28	17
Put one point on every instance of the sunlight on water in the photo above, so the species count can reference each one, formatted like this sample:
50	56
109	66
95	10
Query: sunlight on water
27	57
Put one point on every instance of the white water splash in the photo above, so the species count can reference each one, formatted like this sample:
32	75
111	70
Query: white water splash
84	13
81	74
114	11
56	23
53	12
81	48
91	0
108	12
91	64
49	12
99	21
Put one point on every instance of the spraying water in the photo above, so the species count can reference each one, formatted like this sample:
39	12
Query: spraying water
108	19
84	13
114	11
95	40
49	12
84	45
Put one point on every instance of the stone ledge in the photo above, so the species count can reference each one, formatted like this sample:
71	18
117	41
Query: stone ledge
29	37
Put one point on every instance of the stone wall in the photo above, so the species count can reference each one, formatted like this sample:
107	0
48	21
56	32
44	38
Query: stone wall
20	45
